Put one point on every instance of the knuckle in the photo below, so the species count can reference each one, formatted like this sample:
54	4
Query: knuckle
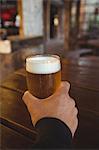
67	84
73	103
76	111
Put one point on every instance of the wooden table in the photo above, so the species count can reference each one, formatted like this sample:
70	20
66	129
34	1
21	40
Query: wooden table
94	43
16	127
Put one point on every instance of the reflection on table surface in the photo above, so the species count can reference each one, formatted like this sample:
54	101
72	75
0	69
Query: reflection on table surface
83	75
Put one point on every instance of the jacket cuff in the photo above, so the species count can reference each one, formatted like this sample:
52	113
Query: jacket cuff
54	133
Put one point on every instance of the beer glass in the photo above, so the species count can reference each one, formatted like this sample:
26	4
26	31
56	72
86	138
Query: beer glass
43	73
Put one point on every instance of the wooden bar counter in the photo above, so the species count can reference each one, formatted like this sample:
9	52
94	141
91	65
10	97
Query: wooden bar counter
16	127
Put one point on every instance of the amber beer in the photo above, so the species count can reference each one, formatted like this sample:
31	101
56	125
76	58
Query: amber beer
43	75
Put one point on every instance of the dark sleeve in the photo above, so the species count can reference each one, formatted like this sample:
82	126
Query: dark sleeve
53	133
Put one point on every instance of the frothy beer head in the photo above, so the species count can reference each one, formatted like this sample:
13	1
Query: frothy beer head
43	64
43	75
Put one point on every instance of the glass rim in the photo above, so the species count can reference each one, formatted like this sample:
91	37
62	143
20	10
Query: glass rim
42	55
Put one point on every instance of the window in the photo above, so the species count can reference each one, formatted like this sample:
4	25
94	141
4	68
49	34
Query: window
9	18
89	15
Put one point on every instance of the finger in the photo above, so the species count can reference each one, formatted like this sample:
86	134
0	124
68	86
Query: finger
29	98
70	106
61	93
72	102
66	86
63	89
74	112
75	125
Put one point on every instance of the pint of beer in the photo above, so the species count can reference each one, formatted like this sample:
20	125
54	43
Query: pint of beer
43	75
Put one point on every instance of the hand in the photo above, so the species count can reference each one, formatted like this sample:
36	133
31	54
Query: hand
59	106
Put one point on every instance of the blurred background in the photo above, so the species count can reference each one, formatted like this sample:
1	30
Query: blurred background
69	28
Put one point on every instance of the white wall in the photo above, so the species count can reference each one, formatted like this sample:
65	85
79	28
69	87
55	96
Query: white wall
32	17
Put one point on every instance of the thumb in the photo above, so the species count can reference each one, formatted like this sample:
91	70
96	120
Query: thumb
30	100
